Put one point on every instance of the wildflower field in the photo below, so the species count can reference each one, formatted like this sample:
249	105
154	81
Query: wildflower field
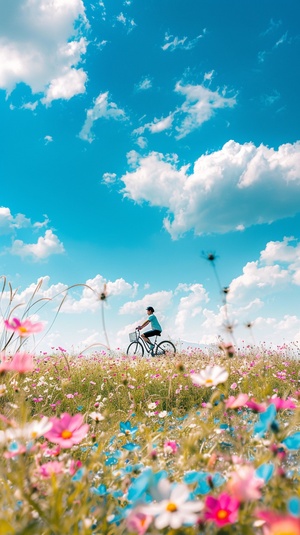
202	443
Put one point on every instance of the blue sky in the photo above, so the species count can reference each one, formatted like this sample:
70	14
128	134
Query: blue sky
137	136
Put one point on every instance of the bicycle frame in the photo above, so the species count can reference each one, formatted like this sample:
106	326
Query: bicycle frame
140	339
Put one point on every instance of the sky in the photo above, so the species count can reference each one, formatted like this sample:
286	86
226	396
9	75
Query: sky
138	137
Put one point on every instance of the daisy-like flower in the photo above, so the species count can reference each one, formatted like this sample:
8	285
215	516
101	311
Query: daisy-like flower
282	404
172	507
23	328
222	510
276	524
244	485
210	376
96	416
67	430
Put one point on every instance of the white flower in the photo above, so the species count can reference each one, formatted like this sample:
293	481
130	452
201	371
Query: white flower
210	376
162	414
151	406
97	416
173	508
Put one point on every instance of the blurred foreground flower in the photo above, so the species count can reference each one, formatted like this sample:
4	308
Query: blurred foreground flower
139	522
244	484
23	328
67	430
210	376
172	507
276	524
236	403
21	362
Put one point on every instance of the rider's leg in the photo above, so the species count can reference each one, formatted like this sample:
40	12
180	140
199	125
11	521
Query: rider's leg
146	339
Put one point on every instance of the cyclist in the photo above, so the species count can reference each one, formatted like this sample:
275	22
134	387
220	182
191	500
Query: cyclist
156	328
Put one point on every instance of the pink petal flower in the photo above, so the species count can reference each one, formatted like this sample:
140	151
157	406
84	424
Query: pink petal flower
235	403
170	446
282	404
23	328
21	362
139	522
52	467
276	524
67	430
222	510
256	407
244	484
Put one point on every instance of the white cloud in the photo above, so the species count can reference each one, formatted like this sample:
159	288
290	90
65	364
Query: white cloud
173	43
109	178
227	189
102	109
144	84
189	306
199	106
255	277
46	246
128	23
9	223
159	300
40	47
48	139
157	126
89	298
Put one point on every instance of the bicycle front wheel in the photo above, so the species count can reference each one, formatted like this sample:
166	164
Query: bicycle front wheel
135	348
166	348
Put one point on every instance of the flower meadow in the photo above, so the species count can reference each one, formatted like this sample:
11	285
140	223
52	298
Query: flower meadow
203	443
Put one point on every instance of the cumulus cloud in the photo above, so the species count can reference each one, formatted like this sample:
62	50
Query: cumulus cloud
161	299
236	187
9	223
173	43
102	109
92	289
200	104
189	306
46	246
40	47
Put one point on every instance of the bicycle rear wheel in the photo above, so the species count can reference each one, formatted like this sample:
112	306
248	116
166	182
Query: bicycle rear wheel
166	348
135	348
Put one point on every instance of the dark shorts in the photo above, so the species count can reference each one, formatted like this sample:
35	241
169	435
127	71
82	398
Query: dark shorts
148	334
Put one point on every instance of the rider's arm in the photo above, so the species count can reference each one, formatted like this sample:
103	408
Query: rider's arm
140	327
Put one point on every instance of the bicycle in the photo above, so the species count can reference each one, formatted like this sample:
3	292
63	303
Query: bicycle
138	346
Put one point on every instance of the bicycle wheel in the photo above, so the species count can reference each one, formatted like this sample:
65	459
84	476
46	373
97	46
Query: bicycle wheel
135	348
166	348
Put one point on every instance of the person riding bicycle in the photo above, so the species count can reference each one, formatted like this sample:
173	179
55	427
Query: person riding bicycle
156	328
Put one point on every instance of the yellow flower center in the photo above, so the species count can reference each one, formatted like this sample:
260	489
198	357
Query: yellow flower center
66	434
209	381
222	514
22	329
171	507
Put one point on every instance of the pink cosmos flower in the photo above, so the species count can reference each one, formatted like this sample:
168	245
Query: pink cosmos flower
244	484
256	407
139	522
276	524
21	362
222	510
23	328
67	430
170	446
282	404
50	468
235	403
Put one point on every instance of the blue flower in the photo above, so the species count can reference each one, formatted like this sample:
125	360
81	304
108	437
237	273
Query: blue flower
266	421
130	446
294	506
78	475
202	480
141	485
112	457
292	442
126	429
265	471
99	491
